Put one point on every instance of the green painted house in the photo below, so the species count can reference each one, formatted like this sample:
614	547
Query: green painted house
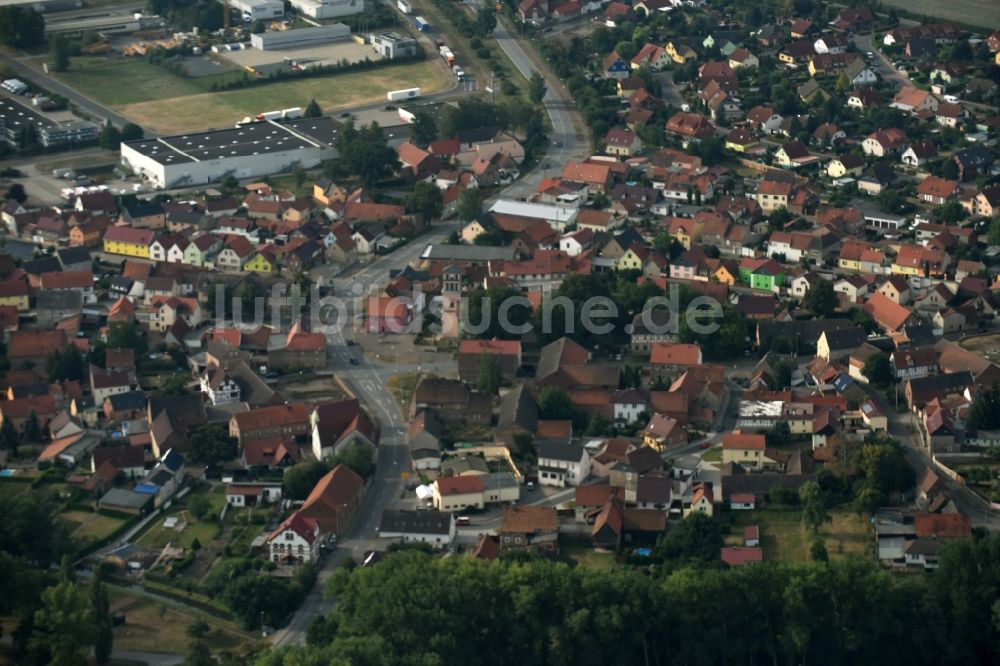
762	274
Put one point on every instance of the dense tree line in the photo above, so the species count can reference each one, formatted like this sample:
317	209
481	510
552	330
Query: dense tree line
21	27
256	597
413	609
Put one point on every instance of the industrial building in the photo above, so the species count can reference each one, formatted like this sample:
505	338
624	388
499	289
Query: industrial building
324	9
391	45
249	151
15	117
114	24
302	38
42	6
259	10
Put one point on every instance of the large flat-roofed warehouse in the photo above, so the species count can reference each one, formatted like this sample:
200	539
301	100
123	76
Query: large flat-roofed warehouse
16	118
292	39
248	151
324	9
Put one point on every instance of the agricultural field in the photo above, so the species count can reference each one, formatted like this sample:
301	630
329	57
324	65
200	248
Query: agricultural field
785	538
163	102
982	13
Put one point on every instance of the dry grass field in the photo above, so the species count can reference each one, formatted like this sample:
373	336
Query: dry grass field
983	13
785	538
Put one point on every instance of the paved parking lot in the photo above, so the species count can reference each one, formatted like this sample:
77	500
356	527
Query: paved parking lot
328	54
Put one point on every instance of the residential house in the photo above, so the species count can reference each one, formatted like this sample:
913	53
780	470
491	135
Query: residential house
128	241
340	424
890	316
334	500
562	464
689	125
622	143
529	528
882	143
291	420
937	191
842	166
919	153
435	528
295	541
458	493
973	161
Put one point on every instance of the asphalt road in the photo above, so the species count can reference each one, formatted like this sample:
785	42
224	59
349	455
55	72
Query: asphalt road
566	144
368	378
883	66
904	428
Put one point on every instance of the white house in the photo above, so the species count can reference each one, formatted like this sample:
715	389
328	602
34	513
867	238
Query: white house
742	501
296	540
158	249
240	495
175	252
561	464
336	425
220	388
630	404
365	240
436	528
576	242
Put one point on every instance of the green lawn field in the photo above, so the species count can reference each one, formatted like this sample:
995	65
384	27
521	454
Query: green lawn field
158	536
163	102
121	81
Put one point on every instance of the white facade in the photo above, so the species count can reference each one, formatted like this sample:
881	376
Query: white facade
157	250
259	9
322	9
226	393
629	411
290	544
237	497
561	473
301	38
164	175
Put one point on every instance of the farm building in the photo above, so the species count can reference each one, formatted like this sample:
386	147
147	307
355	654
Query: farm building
248	151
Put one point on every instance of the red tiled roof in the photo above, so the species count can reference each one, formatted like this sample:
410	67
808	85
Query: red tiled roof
737	441
736	556
459	485
942	525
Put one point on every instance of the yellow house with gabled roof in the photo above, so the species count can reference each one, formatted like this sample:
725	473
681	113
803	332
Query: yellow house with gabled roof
262	263
727	273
